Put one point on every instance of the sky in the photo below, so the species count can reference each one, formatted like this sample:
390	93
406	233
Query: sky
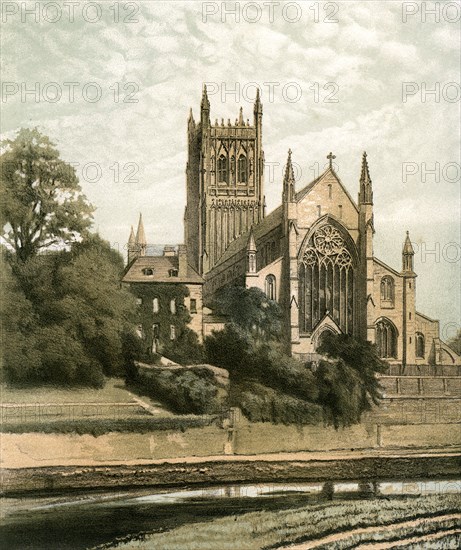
112	85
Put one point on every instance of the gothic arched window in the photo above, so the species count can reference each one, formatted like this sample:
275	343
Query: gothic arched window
222	169
242	169
387	290
270	287
386	339
326	281
420	344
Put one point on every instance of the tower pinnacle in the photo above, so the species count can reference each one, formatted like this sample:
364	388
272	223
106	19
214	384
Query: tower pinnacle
407	255
366	190
205	101
289	180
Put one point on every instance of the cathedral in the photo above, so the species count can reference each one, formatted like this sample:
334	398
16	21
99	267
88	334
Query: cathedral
313	254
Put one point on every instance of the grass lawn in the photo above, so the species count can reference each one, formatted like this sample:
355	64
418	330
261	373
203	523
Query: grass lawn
85	410
113	392
270	529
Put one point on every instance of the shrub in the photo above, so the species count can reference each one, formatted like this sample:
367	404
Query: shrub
183	390
262	404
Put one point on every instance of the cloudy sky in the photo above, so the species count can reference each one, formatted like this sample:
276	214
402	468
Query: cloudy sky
337	71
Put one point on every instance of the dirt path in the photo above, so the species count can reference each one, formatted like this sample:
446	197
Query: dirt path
414	540
337	537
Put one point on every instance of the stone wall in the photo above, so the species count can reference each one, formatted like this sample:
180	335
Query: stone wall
398	423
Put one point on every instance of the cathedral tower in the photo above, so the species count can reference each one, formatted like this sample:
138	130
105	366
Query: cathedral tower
224	179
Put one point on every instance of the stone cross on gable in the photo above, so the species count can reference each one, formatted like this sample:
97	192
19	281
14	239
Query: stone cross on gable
330	157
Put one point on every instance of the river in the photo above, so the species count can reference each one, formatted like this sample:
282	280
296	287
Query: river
98	520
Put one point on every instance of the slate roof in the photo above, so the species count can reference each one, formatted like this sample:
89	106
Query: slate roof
161	266
270	222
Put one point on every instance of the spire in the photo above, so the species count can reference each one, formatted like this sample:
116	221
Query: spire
241	122
407	255
366	190
132	238
289	180
251	245
258	108
191	116
407	246
205	102
131	248
141	242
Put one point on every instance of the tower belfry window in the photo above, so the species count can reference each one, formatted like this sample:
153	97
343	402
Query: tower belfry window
242	169
222	169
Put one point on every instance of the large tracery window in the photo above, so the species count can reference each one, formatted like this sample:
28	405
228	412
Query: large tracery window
386	339
326	281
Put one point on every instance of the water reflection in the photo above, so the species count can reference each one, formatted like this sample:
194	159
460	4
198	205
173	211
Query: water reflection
87	520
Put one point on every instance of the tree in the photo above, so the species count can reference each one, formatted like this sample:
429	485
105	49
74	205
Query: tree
20	356
347	381
82	317
455	342
251	310
41	201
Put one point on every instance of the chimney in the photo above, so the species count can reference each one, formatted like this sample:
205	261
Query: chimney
182	257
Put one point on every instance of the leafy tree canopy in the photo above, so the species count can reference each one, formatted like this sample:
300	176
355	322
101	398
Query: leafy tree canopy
455	342
251	310
347	380
41	201
79	316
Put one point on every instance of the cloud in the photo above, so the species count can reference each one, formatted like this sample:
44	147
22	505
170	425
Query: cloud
170	52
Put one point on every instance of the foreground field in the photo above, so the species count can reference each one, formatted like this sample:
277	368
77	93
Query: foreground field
350	523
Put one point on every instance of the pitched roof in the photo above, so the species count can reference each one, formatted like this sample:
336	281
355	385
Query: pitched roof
270	222
328	172
161	266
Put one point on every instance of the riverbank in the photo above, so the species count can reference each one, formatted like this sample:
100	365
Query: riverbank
281	467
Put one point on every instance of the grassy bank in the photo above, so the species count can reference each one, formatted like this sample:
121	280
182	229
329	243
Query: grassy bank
270	529
114	408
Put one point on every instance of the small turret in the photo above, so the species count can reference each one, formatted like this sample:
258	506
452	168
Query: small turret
408	255
251	253
141	241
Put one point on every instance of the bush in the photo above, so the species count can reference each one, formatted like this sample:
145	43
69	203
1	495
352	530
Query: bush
347	382
186	349
183	390
262	404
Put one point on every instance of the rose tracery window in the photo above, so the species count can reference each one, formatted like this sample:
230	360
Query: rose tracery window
326	281
328	240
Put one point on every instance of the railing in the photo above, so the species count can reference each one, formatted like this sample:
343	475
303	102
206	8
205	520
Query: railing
424	370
